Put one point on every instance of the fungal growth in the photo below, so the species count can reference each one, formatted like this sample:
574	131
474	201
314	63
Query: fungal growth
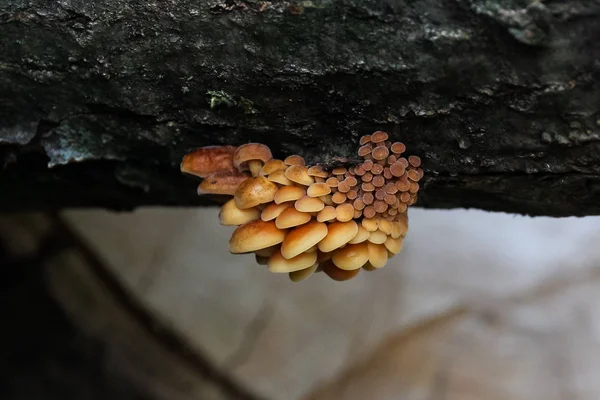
300	219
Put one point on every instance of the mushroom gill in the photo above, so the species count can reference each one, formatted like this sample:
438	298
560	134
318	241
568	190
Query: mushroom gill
302	219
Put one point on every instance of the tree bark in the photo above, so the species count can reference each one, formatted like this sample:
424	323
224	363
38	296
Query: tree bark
100	100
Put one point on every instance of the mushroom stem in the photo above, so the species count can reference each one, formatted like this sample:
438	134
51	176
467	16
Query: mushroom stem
255	166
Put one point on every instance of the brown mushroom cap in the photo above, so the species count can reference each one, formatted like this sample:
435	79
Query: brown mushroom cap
279	177
393	245
309	204
361	235
297	276
318	171
272	210
344	212
289	193
370	224
338	234
294	160
318	190
299	174
230	214
351	256
272	166
326	214
255	191
251	156
222	183
378	255
208	160
255	235
338	274
280	264
303	238
291	217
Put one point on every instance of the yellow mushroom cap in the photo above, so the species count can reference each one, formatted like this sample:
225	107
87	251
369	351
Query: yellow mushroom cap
352	256
291	217
385	226
393	245
338	274
303	238
279	177
230	214
299	174
272	166
297	276
344	212
318	171
255	191
361	235
273	210
251	152
318	189
370	224
280	264
377	237
255	235
309	204
289	193
326	214
338	234
378	255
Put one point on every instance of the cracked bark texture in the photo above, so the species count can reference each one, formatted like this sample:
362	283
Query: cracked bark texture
100	100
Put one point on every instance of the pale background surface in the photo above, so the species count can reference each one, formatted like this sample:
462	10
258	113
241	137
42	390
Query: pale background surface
477	306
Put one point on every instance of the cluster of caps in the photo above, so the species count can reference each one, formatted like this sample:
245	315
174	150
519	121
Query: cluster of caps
300	219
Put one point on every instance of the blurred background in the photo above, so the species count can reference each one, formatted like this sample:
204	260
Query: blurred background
151	305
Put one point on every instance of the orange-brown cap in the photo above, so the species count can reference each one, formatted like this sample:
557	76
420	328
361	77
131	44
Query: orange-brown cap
309	204
318	171
251	152
255	191
338	274
303	238
338	234
272	166
294	160
230	214
318	189
299	174
393	245
279	177
297	276
344	212
280	264
222	183
289	193
255	235
208	160
361	235
291	217
378	255
272	210
351	256
370	224
326	214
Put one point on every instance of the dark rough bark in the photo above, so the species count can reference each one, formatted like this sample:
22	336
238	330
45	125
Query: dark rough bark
499	97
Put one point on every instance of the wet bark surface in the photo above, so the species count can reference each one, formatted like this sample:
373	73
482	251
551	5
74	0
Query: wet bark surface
99	101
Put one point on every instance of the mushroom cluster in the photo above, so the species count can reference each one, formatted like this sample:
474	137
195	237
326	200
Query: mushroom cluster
300	219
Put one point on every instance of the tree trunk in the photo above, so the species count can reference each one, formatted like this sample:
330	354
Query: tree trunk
100	100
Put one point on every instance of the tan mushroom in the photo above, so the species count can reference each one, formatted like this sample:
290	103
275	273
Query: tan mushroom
255	191
393	245
230	214
326	214
294	160
208	160
289	193
255	235
318	190
279	264
272	166
279	177
272	210
303	238
299	174
291	217
361	235
378	255
252	157
377	237
338	234
351	256
344	212
318	171
309	204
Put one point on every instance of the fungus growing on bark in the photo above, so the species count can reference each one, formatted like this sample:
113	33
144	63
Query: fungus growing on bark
301	219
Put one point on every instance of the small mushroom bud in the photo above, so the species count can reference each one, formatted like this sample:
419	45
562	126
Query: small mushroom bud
251	156
208	160
255	191
231	215
255	235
